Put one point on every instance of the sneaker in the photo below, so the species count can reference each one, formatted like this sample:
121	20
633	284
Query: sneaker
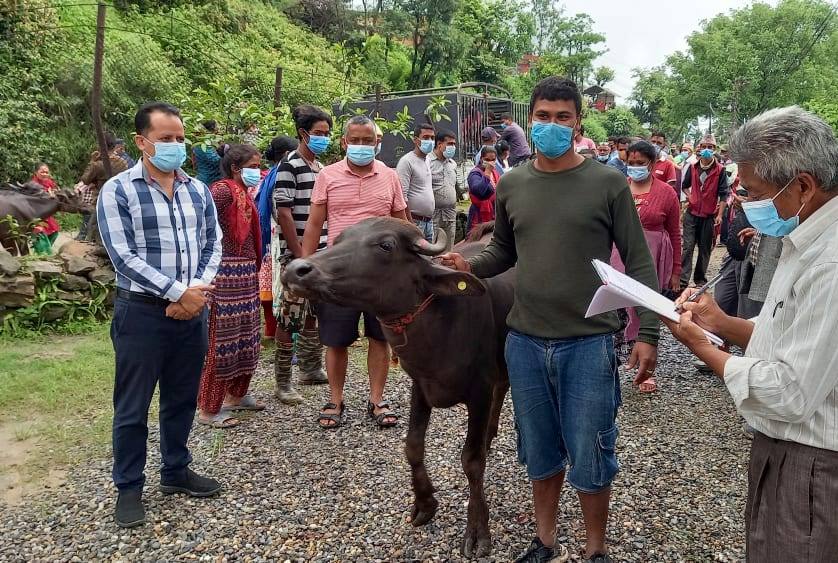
129	512
702	367
540	553
191	484
599	558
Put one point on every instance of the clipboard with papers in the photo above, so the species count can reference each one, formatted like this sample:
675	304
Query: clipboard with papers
620	291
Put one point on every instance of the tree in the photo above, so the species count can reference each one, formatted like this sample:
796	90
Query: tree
436	43
755	58
622	122
575	41
498	32
547	15
603	75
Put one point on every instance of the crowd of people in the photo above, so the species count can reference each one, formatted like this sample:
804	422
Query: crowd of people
197	258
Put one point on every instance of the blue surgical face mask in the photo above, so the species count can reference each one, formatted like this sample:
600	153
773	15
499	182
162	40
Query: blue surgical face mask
251	177
503	125
685	154
763	216
318	144
449	152
637	173
603	157
168	157
706	154
426	146
551	139
360	155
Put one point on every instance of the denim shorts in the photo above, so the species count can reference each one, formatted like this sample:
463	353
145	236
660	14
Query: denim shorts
427	228
566	394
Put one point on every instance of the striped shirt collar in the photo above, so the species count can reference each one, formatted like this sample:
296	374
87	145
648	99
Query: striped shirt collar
140	172
344	165
815	225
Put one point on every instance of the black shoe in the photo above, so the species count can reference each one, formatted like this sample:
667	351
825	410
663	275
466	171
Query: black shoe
540	553
191	484
599	558
129	511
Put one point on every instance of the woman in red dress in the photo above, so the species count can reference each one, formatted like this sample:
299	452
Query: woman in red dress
234	319
47	231
660	215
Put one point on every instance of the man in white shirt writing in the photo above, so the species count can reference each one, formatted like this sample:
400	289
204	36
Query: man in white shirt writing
786	385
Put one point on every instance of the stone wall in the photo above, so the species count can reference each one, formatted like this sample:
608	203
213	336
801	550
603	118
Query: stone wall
75	266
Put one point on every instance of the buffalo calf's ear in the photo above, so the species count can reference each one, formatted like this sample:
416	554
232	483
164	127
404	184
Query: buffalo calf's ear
442	281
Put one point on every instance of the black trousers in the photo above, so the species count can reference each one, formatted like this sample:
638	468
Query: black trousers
697	231
726	292
150	349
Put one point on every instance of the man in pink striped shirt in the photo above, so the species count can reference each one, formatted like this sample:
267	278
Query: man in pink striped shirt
347	192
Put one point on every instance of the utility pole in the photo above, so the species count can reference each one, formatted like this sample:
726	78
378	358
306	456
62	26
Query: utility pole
96	109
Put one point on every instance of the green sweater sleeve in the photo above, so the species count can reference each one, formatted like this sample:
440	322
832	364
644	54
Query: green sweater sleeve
634	251
499	255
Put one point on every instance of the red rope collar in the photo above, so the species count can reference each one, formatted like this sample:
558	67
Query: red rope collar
400	324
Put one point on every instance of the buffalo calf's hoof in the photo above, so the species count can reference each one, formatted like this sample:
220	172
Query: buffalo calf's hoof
423	511
476	545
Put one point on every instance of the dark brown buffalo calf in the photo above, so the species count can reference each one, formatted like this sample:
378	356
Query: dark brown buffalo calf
448	329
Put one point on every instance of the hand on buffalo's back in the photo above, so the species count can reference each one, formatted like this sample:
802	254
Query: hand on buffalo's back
456	262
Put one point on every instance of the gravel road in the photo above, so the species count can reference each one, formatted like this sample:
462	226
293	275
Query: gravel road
296	493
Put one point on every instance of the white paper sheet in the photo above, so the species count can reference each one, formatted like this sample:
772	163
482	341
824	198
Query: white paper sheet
620	291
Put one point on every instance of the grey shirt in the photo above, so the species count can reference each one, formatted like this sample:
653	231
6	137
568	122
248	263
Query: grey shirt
415	176
517	139
444	181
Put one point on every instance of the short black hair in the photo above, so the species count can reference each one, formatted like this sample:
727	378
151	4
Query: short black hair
645	148
236	155
658	134
502	146
623	141
485	149
443	135
142	120
306	115
555	88
424	126
279	147
210	125
505	116
612	138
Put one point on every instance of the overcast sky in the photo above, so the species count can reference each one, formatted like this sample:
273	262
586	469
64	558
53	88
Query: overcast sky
643	33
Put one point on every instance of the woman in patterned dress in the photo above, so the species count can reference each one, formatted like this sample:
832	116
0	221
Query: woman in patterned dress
234	319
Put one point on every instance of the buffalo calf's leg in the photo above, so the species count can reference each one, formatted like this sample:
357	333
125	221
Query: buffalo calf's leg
477	541
424	504
498	395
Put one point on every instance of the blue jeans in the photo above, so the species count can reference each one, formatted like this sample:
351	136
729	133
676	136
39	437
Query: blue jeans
427	228
566	394
153	349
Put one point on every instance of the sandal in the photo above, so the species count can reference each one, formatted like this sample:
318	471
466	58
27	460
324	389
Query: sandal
648	386
221	419
246	403
385	414
336	419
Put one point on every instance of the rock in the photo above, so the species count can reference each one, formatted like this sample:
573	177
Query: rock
103	275
9	265
53	312
72	282
44	269
75	296
79	265
18	291
76	248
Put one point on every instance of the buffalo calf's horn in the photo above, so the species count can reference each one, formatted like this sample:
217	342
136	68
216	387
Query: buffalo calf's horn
424	247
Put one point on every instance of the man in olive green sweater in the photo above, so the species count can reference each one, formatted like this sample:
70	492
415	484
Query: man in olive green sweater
554	215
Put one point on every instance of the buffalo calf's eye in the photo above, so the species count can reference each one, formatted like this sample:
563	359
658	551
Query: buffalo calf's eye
386	246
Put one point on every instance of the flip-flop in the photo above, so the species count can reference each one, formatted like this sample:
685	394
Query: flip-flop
651	386
221	419
247	403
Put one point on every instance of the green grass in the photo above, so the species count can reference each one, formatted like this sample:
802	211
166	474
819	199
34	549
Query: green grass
61	387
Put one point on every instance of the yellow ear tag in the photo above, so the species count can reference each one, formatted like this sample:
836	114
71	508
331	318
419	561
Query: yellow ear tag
462	286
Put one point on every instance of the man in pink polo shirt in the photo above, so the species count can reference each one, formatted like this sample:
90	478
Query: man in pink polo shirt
345	193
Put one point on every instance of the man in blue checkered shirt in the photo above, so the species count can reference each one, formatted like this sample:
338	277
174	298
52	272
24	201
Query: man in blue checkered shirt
161	232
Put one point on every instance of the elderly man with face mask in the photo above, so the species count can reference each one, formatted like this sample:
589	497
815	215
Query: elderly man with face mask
786	384
705	185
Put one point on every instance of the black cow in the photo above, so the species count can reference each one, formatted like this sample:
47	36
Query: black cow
448	329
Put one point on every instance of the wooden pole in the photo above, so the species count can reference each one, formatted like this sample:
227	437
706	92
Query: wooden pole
277	89
378	100
96	107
